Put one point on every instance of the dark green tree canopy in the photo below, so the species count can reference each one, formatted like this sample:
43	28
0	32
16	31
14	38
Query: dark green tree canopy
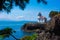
53	13
6	32
43	1
7	5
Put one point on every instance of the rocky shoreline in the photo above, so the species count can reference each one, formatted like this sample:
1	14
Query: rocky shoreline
45	31
31	27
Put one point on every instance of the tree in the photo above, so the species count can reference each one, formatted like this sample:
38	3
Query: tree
43	1
7	5
32	37
6	32
53	13
26	38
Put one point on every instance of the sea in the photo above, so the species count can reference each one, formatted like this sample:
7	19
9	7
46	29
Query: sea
15	25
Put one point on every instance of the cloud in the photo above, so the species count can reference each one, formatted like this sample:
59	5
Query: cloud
19	17
3	16
10	17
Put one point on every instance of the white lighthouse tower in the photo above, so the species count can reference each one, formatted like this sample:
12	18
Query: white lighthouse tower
41	19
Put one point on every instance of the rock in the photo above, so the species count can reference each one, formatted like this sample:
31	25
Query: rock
54	25
33	26
57	25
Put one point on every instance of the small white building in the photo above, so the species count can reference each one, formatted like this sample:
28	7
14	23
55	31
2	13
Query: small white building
41	19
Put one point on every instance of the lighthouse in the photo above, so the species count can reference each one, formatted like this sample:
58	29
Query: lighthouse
41	19
39	15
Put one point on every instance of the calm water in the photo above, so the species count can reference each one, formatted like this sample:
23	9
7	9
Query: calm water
15	26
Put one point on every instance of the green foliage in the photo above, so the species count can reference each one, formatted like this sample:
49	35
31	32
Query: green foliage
43	1
1	37
33	37
6	32
26	38
7	5
21	3
53	13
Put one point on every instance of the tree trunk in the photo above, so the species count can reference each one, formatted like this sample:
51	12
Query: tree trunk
14	37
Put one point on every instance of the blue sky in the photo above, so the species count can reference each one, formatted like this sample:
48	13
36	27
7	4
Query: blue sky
31	11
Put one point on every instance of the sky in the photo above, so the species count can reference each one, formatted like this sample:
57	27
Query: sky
31	11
